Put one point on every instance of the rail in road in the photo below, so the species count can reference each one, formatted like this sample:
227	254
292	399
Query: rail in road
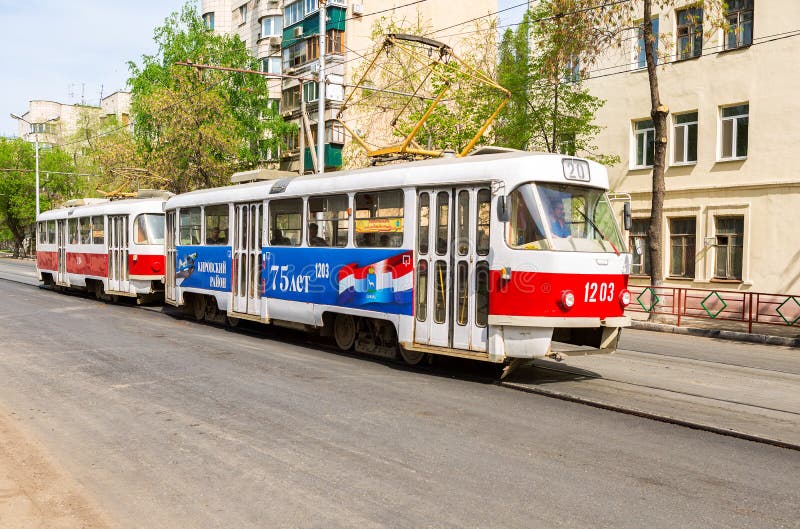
747	392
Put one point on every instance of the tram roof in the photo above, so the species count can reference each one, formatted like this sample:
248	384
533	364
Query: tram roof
109	207
514	167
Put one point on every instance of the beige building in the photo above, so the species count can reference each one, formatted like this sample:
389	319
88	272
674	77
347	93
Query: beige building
284	35
732	203
56	122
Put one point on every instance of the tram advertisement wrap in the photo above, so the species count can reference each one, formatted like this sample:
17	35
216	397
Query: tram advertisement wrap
370	279
207	267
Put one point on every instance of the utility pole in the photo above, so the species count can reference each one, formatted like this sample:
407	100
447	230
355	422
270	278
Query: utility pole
321	91
36	126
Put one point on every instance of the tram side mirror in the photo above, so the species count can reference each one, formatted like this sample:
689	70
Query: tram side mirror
502	209
627	221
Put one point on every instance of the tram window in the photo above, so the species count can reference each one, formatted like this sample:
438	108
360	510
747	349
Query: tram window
51	231
439	292
482	221
149	229
462	292
216	218
85	230
286	222
462	244
379	219
481	293
422	290
525	228
442	221
328	221
72	231
189	226
423	222
98	230
41	232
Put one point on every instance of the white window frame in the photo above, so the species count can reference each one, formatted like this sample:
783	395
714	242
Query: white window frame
208	20
635	136
685	132
309	7
638	37
243	14
292	13
311	93
276	26
269	62
734	135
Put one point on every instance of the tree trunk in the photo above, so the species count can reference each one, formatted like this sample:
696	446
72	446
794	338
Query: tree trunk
659	114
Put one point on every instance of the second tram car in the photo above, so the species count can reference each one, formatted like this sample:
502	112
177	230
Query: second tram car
489	256
108	247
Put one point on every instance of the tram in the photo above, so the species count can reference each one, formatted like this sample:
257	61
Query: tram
489	256
109	248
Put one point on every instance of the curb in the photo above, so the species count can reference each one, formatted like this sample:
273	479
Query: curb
717	333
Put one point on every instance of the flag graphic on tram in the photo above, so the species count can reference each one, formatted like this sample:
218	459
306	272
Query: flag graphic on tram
387	281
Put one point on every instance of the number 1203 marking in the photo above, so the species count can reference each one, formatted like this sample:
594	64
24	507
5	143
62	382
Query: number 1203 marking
594	292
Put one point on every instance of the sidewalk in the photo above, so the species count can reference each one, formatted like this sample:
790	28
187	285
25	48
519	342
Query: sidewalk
758	400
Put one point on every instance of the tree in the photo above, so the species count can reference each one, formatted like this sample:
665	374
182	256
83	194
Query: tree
194	128
17	186
595	30
550	109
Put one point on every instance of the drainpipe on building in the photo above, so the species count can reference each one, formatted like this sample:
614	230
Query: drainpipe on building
321	102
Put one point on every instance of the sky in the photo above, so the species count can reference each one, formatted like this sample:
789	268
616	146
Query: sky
68	51
60	50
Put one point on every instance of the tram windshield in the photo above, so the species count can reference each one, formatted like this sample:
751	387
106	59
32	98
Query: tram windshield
563	218
149	229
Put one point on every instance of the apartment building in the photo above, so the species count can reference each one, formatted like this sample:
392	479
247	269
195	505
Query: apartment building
284	35
732	204
55	123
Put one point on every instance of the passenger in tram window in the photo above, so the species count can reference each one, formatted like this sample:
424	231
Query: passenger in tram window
278	239
313	238
558	222
215	237
384	241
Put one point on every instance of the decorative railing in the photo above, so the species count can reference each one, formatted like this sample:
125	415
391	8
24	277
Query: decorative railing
723	305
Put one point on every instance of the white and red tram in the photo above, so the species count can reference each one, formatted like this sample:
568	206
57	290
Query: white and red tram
490	256
107	247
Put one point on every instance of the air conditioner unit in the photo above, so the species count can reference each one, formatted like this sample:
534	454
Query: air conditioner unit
314	67
275	42
358	9
298	32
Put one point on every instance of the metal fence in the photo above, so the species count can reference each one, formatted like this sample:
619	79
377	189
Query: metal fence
723	305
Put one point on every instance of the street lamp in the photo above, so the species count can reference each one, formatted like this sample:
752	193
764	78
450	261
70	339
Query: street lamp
37	151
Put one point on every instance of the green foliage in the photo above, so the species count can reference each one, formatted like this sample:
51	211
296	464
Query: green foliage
550	109
194	128
18	186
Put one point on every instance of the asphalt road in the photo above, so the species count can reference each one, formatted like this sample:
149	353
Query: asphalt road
168	423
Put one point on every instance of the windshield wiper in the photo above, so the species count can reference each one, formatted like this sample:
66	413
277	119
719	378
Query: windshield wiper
598	230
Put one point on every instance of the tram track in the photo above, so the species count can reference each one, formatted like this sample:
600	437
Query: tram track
488	374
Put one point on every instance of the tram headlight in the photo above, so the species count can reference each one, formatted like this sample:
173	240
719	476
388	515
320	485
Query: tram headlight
567	300
625	298
155	267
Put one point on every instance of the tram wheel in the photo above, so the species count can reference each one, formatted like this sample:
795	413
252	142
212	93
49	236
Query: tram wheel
344	331
198	307
232	321
411	357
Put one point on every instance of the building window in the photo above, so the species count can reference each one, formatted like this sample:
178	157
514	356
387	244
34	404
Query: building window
729	246
645	140
294	55
734	124
566	143
641	60
334	41
312	46
208	20
271	64
293	13
739	21
640	247
690	33
334	132
292	140
271	26
243	14
290	98
684	138
310	6
310	92
682	245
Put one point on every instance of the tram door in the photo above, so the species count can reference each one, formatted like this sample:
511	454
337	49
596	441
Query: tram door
61	239
118	278
452	267
169	240
248	221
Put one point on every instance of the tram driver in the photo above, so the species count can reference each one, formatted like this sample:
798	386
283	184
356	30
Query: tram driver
558	223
